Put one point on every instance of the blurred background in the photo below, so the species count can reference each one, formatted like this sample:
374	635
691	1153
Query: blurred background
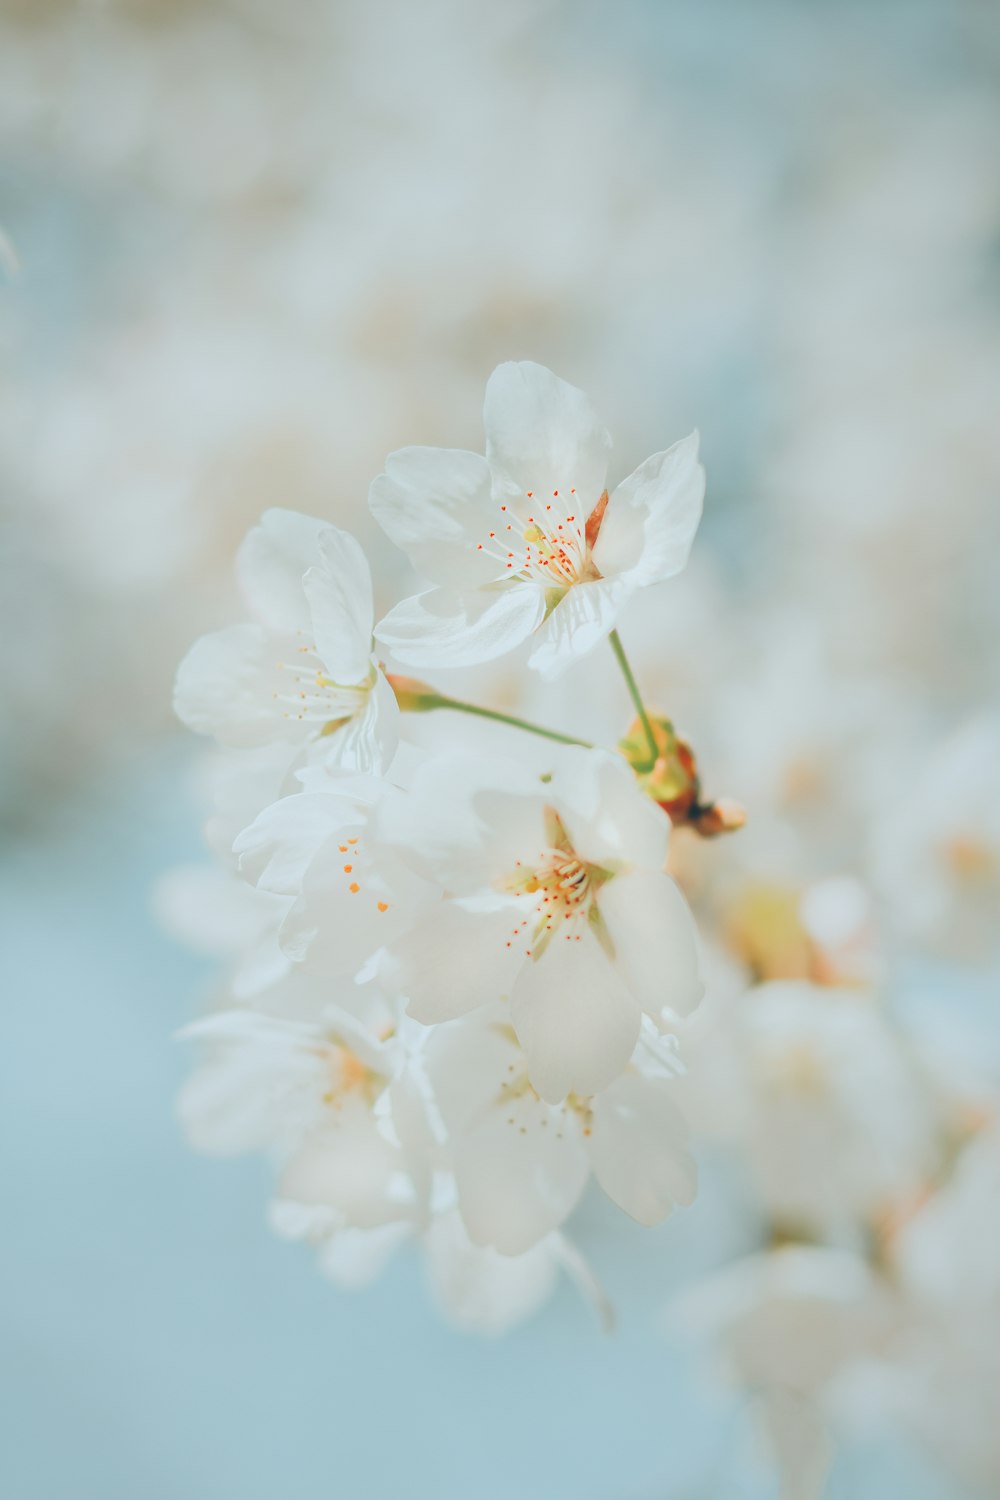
246	249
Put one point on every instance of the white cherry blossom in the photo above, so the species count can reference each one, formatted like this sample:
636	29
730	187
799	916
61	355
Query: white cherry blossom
526	541
328	1098
556	898
521	1163
347	895
819	1095
302	669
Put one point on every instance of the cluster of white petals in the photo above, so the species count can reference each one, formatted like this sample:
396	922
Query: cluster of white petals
459	973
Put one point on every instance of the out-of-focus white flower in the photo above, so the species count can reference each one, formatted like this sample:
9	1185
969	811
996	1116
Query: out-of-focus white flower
478	1288
303	669
936	849
940	1379
526	542
785	1324
556	898
825	1106
521	1164
327	1097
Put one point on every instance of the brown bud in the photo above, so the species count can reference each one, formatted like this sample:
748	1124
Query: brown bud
723	816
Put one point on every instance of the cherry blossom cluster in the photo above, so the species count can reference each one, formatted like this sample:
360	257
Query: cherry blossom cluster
461	967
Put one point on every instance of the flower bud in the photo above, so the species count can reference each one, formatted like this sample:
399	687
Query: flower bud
412	695
673	780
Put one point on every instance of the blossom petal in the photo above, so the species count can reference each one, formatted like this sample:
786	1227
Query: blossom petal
542	435
271	564
339	593
655	941
442	628
651	519
520	1172
368	741
466	819
585	616
277	848
437	505
610	821
638	1148
574	1017
348	1165
226	687
353	903
455	959
476	1287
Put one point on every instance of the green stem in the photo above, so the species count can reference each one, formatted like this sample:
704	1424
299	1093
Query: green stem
457	705
634	693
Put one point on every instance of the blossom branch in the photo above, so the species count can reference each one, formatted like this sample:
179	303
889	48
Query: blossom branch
633	687
419	697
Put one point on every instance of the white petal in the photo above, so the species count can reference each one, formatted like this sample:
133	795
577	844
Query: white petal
339	592
655	940
445	629
241	1099
226	687
651	519
368	741
583	618
520	1172
638	1148
436	504
609	819
348	1165
575	1019
543	435
271	564
454	960
469	1062
345	915
277	848
466	819
477	1288
353	1258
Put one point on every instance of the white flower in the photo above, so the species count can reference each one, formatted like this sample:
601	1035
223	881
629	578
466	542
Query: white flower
557	898
819	1096
347	896
789	1323
521	1164
526	541
302	670
936	848
477	1288
327	1097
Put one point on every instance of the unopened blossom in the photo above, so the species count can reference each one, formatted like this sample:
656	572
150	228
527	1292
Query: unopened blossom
555	898
521	1163
302	669
527	541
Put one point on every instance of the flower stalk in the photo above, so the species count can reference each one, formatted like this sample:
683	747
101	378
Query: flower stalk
419	697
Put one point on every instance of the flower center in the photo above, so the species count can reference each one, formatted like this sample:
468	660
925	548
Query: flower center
348	1074
308	695
563	887
544	540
